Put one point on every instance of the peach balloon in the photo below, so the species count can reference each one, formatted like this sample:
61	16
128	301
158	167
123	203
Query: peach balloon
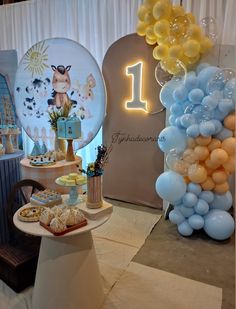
229	145
197	173
214	144
212	165
219	156
191	142
189	156
208	184
229	122
222	188
208	169
203	140
219	176
201	152
229	165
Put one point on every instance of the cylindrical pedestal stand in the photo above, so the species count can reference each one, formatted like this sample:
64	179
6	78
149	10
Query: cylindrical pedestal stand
94	194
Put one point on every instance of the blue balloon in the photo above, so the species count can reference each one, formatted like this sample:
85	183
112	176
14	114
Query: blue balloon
229	90
172	138
205	75
222	201
166	94
170	186
177	203
201	207
178	123
176	109
210	101
172	120
224	133
186	211
194	188
189	199
180	94
201	66
207	196
176	217
226	105
193	130
219	115
185	229
191	82
196	95
196	222
219	224
218	125
187	120
207	128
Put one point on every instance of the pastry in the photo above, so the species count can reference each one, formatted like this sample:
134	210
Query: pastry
73	176
46	216
30	214
81	180
57	211
57	225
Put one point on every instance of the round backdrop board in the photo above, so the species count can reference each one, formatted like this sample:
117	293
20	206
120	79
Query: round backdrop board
49	72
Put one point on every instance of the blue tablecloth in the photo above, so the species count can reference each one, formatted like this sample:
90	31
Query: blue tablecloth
9	175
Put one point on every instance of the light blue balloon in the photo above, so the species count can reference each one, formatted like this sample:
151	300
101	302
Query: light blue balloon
224	133
187	120
194	188
210	101
207	196
207	128
205	75
202	113
226	105
193	130
219	115
180	94
172	138
222	201
185	229
176	109
196	222
176	217
201	207
166	94
178	124
172	119
170	186
218	125
201	66
219	224
189	199
196	95
186	211
229	90
191	82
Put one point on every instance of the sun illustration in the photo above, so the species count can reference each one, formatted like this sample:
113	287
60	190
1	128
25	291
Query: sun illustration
35	59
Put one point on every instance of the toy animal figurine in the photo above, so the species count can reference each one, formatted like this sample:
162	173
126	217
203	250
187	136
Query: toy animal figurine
61	84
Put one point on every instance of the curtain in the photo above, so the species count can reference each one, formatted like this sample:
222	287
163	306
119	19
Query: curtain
95	24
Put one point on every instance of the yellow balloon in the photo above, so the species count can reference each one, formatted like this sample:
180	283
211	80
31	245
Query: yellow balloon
149	3
171	65
150	41
192	60
141	12
150	34
148	18
141	28
194	32
162	9
191	17
161	28
177	10
160	52
191	48
205	45
176	51
219	176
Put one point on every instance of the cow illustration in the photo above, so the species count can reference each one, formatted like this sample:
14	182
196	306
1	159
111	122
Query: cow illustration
61	84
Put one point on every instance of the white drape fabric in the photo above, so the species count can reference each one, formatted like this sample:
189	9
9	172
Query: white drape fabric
96	24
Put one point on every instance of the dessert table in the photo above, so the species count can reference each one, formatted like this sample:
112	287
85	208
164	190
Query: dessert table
67	273
47	175
9	176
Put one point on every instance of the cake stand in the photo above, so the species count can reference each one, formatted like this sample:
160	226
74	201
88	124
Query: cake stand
74	196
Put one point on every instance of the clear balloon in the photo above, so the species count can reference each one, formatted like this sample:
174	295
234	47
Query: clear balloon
209	28
219	80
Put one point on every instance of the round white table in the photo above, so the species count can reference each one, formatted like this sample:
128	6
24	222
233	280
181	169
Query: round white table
67	274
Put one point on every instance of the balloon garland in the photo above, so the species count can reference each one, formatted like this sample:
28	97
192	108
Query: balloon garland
199	142
174	32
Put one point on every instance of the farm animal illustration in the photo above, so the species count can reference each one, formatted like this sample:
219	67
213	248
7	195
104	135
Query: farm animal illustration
61	84
84	94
